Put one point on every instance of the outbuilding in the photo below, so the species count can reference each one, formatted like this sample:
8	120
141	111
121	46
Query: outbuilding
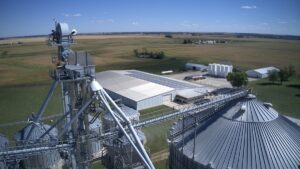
261	72
194	66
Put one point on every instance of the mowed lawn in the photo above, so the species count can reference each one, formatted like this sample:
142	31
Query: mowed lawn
285	98
18	103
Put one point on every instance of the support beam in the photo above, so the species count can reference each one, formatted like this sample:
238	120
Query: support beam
43	107
80	111
135	142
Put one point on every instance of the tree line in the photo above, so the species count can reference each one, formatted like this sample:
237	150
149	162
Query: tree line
282	75
144	53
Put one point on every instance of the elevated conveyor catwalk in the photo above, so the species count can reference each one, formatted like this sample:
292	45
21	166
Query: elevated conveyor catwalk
24	152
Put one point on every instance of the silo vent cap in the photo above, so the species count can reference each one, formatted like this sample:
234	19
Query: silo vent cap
267	105
243	107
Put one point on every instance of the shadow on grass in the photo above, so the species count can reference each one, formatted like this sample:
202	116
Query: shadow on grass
297	86
297	95
269	84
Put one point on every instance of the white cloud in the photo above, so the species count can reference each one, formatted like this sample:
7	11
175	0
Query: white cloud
265	23
135	23
248	7
72	15
77	14
282	22
186	24
105	21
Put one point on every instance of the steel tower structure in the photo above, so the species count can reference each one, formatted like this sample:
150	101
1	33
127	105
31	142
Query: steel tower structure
82	96
80	93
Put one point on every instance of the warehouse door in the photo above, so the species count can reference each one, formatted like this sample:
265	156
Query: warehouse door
167	98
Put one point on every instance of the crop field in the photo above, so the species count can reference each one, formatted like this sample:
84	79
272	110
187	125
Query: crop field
24	79
28	63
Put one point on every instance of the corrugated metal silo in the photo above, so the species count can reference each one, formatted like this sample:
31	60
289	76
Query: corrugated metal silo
247	134
95	128
3	145
46	160
120	153
132	114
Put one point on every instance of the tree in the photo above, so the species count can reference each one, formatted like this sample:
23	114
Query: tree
235	69
144	51
136	52
273	76
283	75
168	36
237	79
291	70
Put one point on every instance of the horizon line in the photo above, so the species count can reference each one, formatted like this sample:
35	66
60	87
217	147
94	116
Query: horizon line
150	32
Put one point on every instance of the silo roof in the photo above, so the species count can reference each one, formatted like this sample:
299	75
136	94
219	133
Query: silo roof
258	138
251	110
96	123
38	130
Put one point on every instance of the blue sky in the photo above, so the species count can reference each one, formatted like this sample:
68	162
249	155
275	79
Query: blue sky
34	17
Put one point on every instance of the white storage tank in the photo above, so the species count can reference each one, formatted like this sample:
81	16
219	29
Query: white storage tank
45	160
219	70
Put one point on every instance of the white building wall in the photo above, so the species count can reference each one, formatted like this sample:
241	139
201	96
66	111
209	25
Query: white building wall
253	74
154	101
142	104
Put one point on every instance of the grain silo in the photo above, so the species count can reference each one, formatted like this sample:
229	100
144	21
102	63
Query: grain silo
132	114
45	160
120	152
246	134
95	128
3	146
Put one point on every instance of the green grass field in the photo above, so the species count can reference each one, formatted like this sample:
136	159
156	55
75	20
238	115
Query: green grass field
151	112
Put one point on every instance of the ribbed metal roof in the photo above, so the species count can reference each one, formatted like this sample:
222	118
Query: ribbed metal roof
95	124
38	130
162	80
264	70
251	110
247	135
130	87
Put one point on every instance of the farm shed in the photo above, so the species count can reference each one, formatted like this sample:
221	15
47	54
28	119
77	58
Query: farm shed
261	72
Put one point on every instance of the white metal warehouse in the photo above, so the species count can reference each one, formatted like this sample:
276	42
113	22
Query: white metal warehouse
261	72
136	93
140	90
